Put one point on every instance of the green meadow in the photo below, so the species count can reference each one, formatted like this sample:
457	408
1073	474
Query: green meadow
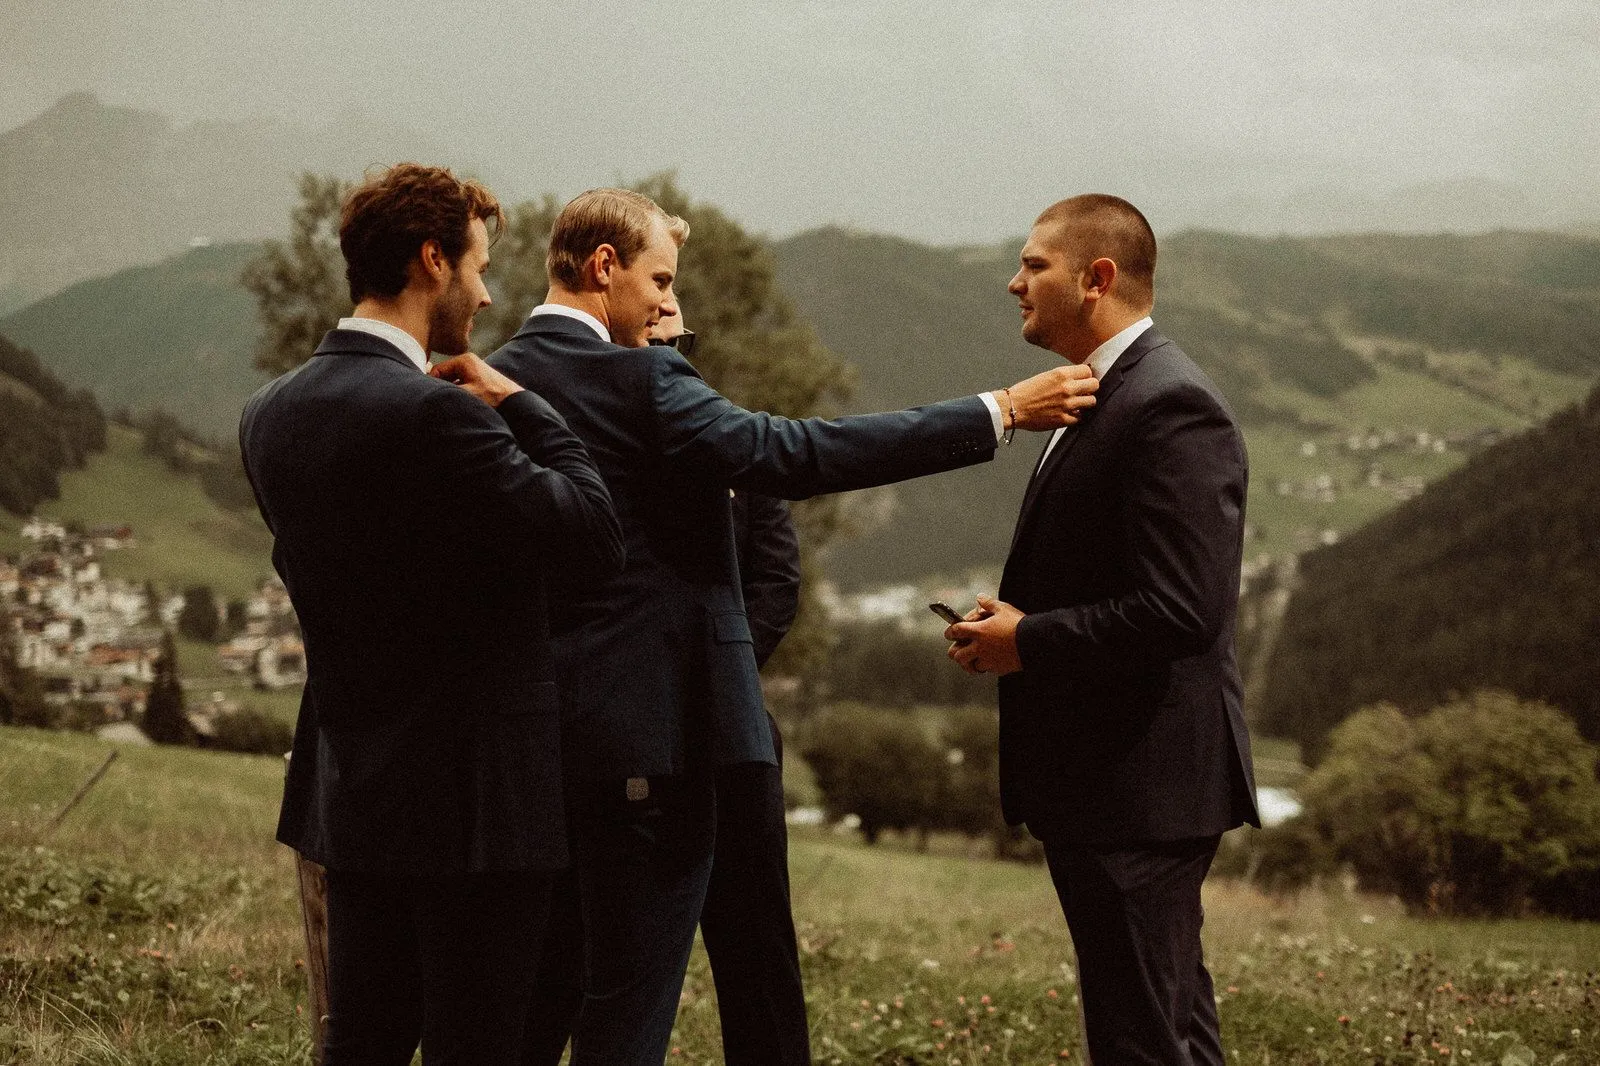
181	537
158	924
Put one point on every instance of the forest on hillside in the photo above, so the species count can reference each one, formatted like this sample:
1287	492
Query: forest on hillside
1489	579
45	428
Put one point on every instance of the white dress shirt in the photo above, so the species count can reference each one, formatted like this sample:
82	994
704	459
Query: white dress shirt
393	334
599	327
1100	361
574	313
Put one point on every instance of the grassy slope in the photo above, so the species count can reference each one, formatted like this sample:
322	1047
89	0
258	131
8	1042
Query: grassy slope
177	334
182	537
913	933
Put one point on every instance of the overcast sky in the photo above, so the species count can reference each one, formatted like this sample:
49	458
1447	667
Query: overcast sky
942	120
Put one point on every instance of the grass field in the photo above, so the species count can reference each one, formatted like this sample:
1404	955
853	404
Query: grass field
158	925
181	537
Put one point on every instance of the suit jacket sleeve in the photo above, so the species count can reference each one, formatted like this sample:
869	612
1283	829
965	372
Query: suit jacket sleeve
769	569
794	459
1183	511
520	461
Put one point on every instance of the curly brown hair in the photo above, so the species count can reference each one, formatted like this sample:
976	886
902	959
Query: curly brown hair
387	218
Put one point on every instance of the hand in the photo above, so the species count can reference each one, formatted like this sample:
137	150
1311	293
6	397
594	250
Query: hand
477	377
1052	399
987	642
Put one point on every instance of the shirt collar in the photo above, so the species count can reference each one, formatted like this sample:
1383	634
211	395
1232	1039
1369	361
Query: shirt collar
572	312
391	333
1101	358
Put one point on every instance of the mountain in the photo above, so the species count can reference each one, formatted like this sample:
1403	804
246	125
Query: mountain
87	189
1488	579
176	335
1361	367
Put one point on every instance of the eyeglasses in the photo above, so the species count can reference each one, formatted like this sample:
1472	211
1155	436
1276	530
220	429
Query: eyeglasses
684	343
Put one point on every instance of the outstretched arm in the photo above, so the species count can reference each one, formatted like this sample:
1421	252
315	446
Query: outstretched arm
798	458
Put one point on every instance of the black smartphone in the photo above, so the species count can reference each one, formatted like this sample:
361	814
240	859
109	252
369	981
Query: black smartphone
945	611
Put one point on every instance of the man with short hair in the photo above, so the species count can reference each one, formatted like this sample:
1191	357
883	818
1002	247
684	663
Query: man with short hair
415	519
657	669
1122	738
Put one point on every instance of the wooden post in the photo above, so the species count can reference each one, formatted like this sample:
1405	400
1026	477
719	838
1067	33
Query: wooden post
314	917
83	790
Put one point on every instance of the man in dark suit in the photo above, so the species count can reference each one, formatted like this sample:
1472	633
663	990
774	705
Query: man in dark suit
415	520
746	921
657	668
1122	736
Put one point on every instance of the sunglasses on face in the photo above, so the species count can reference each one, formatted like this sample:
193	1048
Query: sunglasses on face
683	342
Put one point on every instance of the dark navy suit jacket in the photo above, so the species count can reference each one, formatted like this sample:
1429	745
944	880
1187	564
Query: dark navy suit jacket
1126	723
664	650
415	527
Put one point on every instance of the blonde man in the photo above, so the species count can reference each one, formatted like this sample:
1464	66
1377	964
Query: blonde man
656	666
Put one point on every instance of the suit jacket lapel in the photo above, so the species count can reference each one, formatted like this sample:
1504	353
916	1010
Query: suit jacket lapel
1146	342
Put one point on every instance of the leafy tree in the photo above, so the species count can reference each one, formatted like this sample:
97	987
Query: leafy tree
200	618
164	719
299	287
1484	805
878	765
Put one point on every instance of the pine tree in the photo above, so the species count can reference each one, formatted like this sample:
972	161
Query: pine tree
164	718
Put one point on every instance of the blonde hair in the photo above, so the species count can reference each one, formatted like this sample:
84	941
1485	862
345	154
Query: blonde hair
621	218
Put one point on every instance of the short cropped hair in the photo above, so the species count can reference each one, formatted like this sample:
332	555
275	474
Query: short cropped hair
386	219
1094	226
621	218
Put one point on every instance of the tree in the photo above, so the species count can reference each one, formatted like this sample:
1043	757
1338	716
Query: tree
1483	805
21	698
878	765
299	287
200	618
164	719
752	345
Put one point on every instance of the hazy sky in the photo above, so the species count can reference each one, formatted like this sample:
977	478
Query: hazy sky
942	120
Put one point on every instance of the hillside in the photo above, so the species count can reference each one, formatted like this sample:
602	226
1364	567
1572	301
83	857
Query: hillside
176	335
45	428
181	537
1361	367
1490	578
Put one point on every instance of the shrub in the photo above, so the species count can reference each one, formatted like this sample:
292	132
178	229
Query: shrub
1486	805
878	765
252	732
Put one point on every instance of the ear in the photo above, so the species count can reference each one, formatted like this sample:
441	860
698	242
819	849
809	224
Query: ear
1098	278
435	267
602	266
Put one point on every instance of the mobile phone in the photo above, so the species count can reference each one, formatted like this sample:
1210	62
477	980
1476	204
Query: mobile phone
945	611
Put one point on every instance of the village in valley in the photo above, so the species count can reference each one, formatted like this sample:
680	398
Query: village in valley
94	641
